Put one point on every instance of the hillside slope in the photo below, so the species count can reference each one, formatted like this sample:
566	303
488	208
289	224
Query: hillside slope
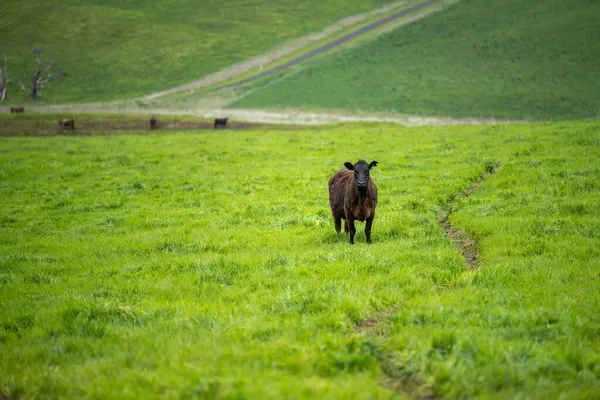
511	59
114	49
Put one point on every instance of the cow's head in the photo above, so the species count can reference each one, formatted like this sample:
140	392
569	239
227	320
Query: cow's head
361	172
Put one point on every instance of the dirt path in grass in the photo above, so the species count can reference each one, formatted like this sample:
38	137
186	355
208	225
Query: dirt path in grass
289	48
465	243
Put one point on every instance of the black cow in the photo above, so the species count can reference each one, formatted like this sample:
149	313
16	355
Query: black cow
220	122
353	196
64	123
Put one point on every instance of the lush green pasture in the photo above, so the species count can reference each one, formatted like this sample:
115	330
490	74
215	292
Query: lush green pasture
118	49
205	264
511	59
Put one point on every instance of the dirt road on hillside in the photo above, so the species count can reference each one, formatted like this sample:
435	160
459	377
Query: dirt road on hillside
267	58
333	44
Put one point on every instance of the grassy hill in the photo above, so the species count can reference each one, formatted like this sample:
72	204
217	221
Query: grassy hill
512	59
117	49
205	265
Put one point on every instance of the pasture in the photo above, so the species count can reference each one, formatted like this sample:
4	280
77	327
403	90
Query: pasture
511	59
116	50
204	264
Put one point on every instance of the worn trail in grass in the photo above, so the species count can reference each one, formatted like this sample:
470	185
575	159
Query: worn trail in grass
463	241
206	264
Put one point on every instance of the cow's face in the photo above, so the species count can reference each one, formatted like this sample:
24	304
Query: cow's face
361	172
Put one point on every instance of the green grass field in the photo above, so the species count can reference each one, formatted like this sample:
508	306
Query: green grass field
512	59
115	49
205	265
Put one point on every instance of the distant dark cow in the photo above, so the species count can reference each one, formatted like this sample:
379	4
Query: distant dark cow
353	196
19	109
64	123
220	122
153	123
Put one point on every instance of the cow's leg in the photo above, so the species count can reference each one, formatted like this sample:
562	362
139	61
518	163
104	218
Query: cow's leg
368	228
346	226
352	229
338	224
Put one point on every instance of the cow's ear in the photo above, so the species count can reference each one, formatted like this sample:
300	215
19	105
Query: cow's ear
349	166
373	164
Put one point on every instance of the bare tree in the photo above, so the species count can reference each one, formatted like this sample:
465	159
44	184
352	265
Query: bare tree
43	75
3	80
